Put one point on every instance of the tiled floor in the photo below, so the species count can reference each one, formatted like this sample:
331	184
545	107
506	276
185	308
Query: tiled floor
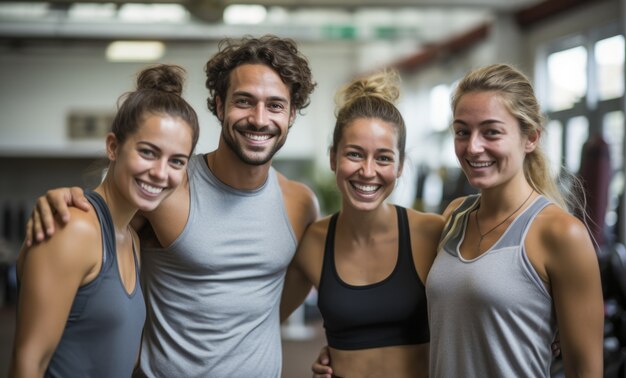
297	354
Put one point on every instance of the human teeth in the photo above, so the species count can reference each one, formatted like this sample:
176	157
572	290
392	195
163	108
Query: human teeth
258	137
366	188
150	188
479	164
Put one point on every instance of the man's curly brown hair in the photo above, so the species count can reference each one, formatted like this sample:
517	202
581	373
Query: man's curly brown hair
281	54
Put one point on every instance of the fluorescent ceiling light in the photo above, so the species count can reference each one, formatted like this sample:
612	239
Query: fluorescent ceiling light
244	14
81	12
21	10
134	12
134	51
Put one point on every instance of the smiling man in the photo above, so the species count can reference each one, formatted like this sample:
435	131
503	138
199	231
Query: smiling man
218	247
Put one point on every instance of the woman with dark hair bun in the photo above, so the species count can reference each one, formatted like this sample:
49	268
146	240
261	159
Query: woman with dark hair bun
81	309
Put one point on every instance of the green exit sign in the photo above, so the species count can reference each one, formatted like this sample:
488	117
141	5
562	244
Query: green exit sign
386	32
373	32
340	31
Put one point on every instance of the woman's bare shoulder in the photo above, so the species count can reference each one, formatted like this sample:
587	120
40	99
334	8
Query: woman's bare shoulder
317	231
72	245
562	235
430	224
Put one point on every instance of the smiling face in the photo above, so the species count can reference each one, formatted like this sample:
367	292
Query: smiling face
366	163
255	114
151	162
488	142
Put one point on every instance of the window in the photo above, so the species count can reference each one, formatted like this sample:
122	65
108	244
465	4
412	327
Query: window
567	77
583	90
440	113
576	135
581	85
609	56
613	132
552	144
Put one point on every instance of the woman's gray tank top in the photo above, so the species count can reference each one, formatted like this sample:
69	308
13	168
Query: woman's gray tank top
491	316
103	331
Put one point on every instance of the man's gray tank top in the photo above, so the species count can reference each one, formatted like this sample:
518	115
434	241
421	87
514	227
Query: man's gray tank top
491	316
213	295
103	331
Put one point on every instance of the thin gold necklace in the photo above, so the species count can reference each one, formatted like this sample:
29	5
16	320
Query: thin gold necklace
482	236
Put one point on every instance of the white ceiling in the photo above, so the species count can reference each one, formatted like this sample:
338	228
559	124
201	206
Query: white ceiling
420	21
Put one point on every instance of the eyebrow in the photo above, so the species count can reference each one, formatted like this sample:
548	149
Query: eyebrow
482	123
357	147
250	95
160	150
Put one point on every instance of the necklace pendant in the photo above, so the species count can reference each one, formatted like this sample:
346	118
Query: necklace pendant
499	224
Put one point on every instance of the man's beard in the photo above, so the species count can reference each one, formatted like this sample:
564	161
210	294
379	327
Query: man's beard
241	153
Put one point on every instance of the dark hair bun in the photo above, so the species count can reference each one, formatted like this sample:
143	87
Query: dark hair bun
164	77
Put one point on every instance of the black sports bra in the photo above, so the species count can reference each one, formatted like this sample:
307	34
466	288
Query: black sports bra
390	312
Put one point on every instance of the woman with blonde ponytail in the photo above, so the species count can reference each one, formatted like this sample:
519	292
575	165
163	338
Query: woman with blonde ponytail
370	260
513	265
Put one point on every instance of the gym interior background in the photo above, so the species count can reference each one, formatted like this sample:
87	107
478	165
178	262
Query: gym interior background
63	64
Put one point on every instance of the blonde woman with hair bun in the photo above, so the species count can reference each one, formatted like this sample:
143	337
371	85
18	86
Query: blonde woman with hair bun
369	261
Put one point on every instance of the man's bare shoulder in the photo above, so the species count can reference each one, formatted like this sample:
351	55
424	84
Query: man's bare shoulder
295	190
298	194
300	202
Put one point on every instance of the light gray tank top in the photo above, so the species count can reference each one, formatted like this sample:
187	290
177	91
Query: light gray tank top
490	316
213	295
